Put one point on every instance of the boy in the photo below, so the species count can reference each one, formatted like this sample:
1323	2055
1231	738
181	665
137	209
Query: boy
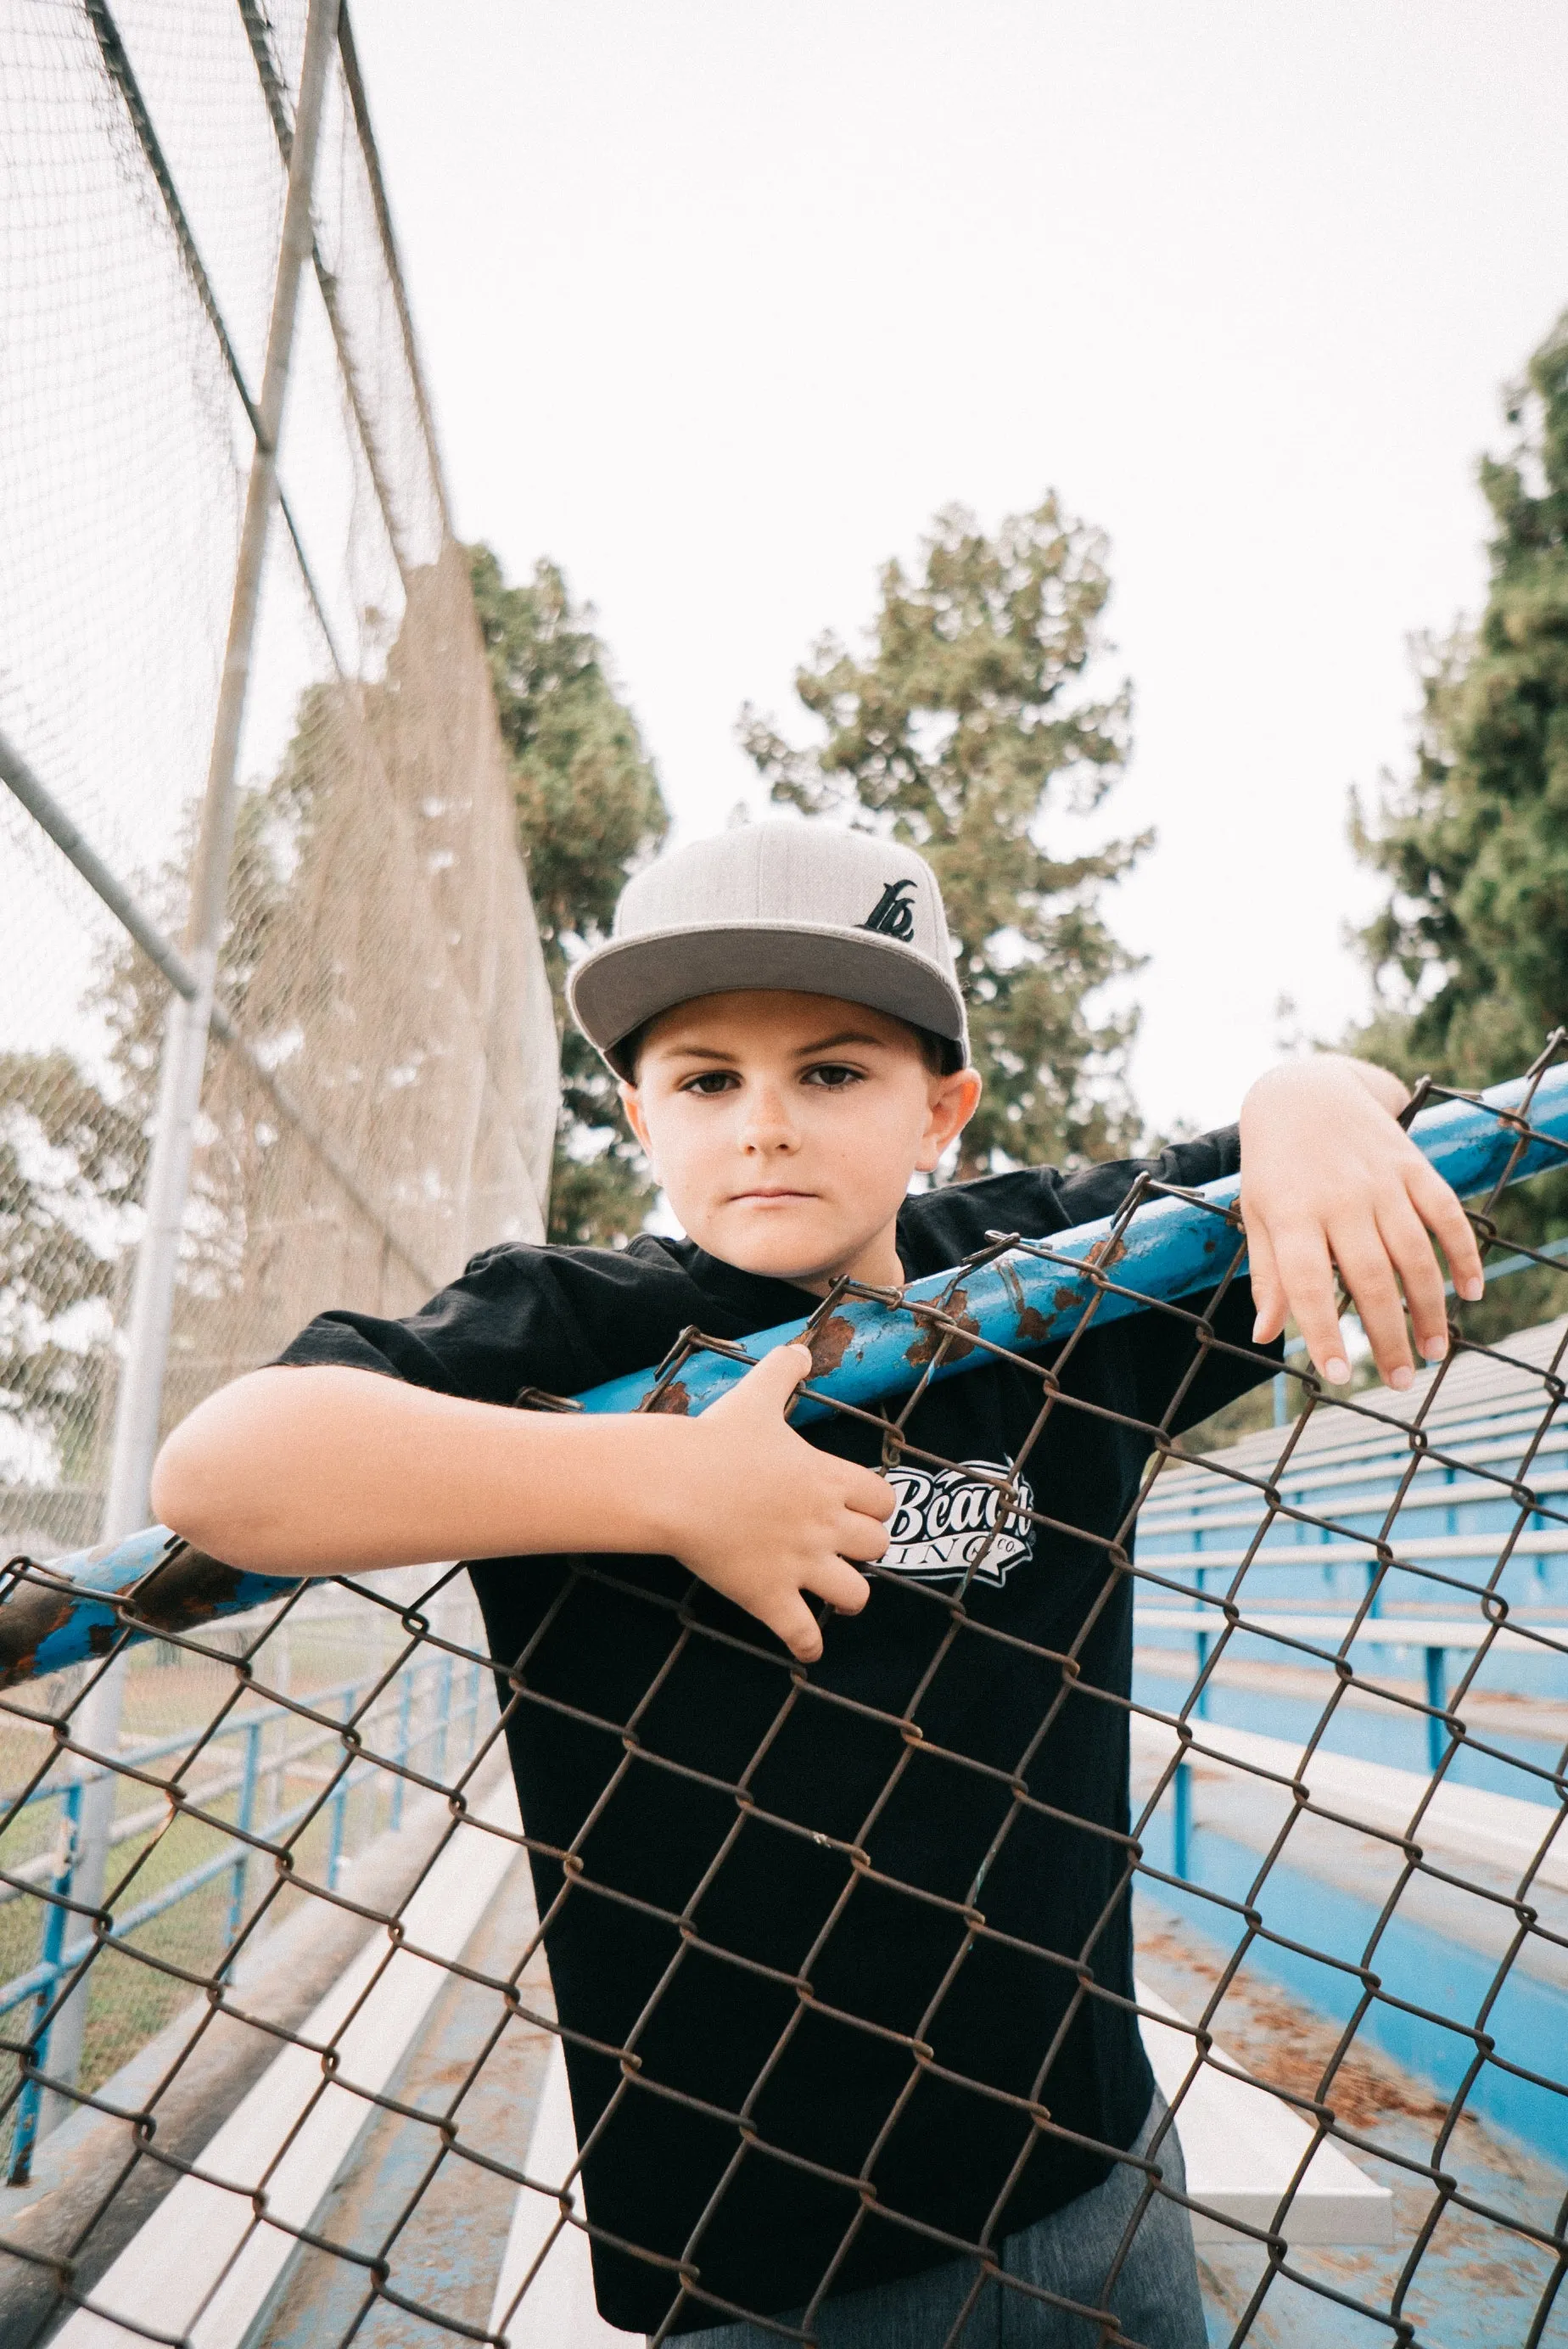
839	1953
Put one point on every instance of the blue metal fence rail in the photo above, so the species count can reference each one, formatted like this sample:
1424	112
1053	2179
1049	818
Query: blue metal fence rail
1018	1299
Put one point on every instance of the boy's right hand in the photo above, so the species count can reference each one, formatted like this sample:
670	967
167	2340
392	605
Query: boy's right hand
764	1518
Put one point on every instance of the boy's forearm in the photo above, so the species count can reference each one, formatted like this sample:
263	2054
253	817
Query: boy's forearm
334	1471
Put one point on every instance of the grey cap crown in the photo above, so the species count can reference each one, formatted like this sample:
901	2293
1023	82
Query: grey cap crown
811	908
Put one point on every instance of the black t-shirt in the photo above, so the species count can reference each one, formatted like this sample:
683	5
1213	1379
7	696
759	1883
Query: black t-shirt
813	1928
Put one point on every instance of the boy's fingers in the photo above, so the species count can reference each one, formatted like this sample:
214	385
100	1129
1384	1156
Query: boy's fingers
837	1581
1267	1294
775	1378
768	1384
793	1622
868	1492
1307	1276
1406	1240
1363	1260
1441	1211
861	1536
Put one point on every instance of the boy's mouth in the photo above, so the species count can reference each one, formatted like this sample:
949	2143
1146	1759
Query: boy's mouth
768	1196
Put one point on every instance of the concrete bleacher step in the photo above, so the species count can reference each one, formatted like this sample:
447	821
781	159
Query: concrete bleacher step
1491	1408
551	2258
1244	2145
1462	1820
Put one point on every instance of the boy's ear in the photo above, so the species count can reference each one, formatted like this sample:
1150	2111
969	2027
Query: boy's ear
954	1101
632	1102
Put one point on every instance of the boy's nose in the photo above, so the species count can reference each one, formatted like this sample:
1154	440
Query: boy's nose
767	1125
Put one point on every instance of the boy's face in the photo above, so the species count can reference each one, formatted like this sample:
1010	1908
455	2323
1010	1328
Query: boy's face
784	1129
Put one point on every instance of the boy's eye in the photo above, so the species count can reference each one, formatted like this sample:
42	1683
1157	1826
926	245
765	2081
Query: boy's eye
709	1081
835	1076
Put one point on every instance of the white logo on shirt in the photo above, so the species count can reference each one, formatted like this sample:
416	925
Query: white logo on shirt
955	1525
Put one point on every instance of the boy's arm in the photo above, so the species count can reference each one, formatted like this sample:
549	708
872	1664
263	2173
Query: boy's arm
379	1473
1331	1183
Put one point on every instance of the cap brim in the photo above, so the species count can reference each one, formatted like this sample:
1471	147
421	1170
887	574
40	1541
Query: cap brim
619	988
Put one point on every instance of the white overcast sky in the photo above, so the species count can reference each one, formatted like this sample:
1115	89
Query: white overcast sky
720	301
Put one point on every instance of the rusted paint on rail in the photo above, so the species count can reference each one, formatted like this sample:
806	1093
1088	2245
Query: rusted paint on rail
154	1586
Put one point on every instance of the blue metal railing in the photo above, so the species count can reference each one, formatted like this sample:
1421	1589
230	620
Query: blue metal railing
420	1702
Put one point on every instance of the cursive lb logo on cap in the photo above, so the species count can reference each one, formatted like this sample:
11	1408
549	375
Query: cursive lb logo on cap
956	1523
892	915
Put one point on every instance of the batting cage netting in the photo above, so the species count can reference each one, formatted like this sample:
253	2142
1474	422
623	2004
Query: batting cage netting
242	684
1346	1718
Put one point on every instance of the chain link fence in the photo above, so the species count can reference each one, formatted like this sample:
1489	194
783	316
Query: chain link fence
283	2055
1345	1860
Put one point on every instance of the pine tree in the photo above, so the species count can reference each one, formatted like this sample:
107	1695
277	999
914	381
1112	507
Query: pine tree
1470	950
967	725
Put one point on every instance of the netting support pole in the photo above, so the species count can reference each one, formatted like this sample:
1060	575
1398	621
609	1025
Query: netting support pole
138	1404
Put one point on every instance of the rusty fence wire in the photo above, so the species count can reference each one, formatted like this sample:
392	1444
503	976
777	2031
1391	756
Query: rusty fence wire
1337	1666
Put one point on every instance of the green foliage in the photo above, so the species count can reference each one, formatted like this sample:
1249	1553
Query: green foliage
589	808
1471	948
72	1163
965	724
1469	952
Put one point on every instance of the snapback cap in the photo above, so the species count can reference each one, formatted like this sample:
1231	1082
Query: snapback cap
810	906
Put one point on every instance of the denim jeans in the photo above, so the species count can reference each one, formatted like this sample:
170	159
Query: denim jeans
1155	2299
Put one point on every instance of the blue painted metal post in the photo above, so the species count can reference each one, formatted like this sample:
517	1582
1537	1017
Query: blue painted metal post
400	1751
1437	1697
340	1804
1182	1822
476	1674
443	1715
1200	1642
247	1820
56	1918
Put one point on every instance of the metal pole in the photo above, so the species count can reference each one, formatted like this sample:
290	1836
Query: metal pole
1025	1298
47	811
246	1821
340	1801
1437	1698
30	2111
139	1405
185	1050
1181	1822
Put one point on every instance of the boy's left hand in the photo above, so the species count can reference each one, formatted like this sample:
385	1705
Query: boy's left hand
1331	1180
